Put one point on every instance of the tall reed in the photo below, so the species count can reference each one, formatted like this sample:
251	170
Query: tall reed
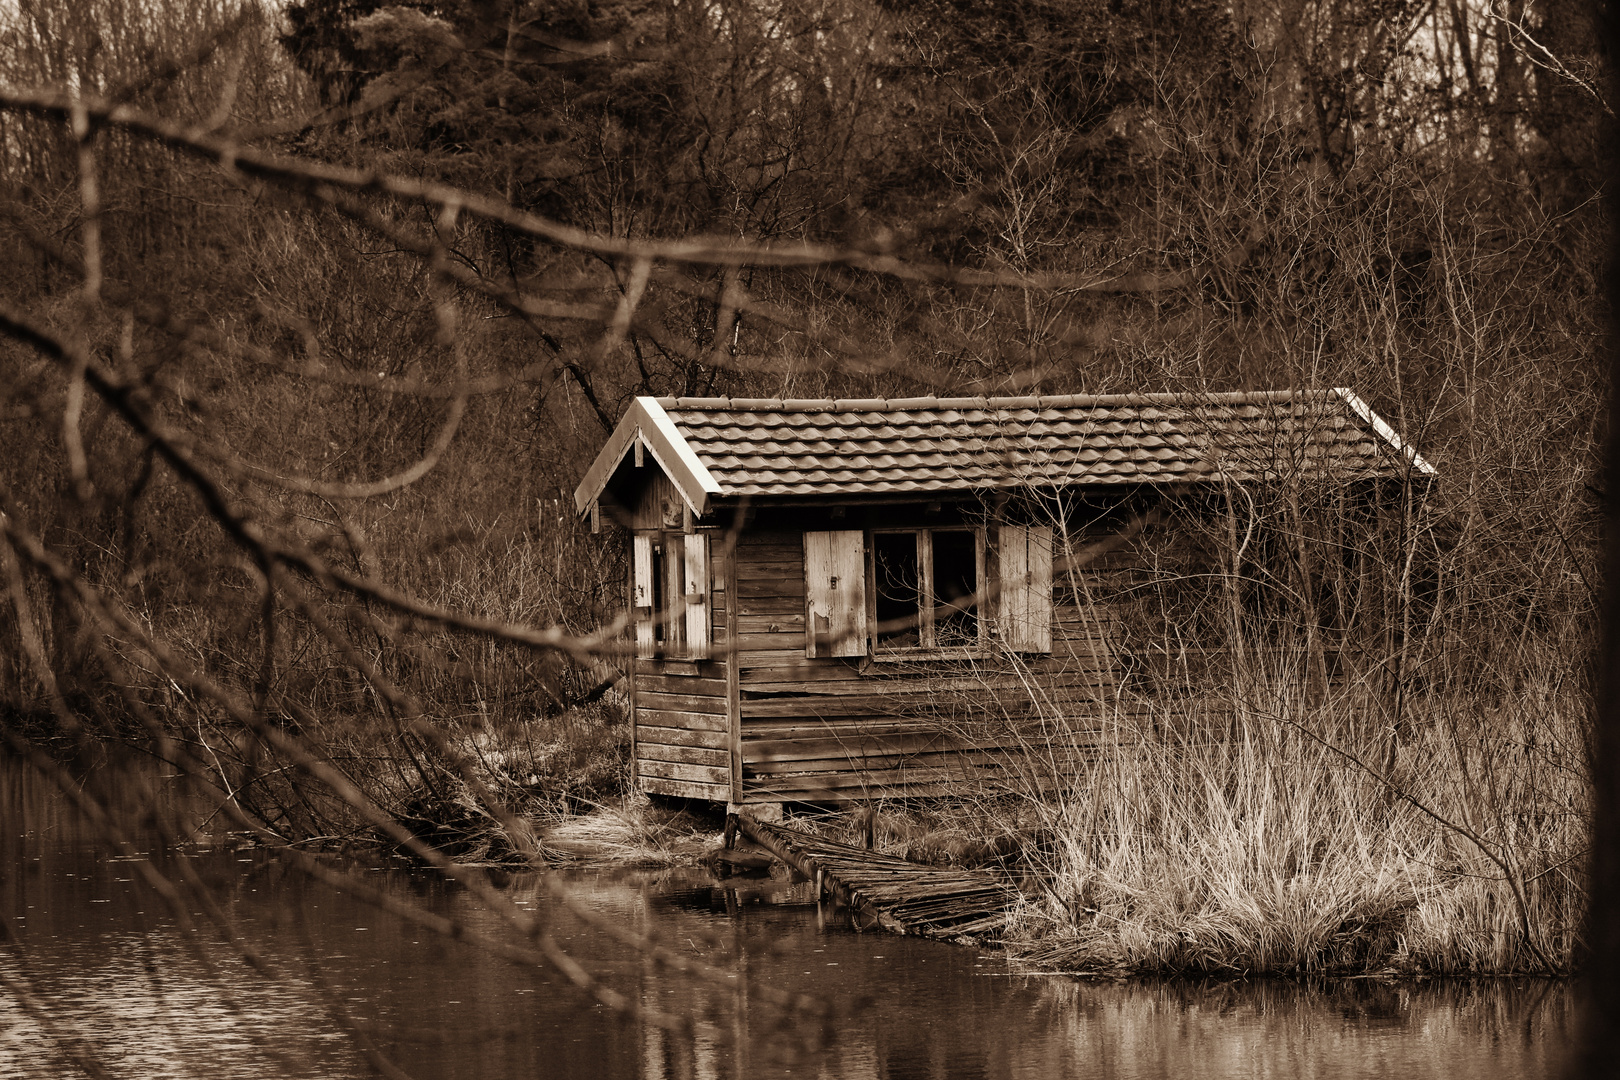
1270	832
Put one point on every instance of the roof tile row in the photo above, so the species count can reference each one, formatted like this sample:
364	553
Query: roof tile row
836	446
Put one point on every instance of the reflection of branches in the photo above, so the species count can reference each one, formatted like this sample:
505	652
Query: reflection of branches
69	1043
292	579
110	620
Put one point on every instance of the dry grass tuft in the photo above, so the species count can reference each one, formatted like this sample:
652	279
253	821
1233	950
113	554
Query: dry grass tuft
1303	841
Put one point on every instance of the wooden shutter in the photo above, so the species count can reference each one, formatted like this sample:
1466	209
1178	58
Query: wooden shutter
835	593
641	591
1026	588
697	595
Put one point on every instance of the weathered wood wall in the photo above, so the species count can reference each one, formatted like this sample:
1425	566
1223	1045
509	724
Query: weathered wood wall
683	730
833	728
762	721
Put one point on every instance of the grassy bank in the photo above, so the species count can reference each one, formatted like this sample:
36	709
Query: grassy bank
1286	839
1263	832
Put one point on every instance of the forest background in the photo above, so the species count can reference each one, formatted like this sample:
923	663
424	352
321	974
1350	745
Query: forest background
316	315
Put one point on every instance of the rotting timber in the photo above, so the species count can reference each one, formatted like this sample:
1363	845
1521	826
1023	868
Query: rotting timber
891	893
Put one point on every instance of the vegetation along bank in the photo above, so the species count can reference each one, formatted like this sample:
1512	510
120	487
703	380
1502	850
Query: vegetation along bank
315	316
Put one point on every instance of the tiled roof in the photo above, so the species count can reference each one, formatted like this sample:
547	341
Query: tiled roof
841	447
728	447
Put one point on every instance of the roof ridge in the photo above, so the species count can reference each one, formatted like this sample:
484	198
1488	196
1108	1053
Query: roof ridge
730	447
1062	401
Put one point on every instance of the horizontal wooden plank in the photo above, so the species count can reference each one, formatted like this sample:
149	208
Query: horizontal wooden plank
682	721
752	655
690	755
779	586
834	727
769	657
795	667
1065	611
1034	754
1067	652
1068	637
754	556
872	704
1086	629
712	668
1029	728
960	762
853	780
785	622
756	562
658	785
771	604
857	744
784	641
876	681
673	770
770	790
779	541
718	738
1072	686
697	703
955	702
681	684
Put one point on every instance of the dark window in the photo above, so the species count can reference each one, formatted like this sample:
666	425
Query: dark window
924	587
956	580
898	585
668	601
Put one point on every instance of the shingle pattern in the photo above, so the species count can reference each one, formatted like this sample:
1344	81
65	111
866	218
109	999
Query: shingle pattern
871	446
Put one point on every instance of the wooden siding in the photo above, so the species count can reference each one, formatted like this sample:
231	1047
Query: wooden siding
834	728
683	737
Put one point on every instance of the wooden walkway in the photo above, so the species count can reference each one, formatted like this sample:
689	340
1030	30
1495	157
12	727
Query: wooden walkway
893	893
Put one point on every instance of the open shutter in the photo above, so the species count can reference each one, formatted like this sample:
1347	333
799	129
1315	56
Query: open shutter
697	595
835	593
1026	588
642	595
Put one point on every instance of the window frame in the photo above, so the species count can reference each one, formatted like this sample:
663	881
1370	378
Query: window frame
927	600
674	624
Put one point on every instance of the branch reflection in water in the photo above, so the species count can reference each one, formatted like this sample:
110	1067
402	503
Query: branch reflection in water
95	970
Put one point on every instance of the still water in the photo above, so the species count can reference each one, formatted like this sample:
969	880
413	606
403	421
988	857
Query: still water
92	962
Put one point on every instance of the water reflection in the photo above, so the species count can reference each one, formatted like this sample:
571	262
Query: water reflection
105	963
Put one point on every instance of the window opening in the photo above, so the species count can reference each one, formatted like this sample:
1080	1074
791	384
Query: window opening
956	581
925	581
669	605
898	590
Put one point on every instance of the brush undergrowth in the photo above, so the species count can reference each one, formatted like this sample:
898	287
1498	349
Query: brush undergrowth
541	771
1312	840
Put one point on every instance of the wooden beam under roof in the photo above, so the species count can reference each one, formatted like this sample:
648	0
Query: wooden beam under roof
647	425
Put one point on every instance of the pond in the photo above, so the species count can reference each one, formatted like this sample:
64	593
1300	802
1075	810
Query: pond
92	963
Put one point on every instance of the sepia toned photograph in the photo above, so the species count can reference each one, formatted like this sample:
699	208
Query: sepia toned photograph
823	539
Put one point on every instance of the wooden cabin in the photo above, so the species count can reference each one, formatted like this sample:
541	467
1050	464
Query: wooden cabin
848	599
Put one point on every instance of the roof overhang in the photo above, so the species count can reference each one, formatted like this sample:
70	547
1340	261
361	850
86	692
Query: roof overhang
1379	425
646	422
